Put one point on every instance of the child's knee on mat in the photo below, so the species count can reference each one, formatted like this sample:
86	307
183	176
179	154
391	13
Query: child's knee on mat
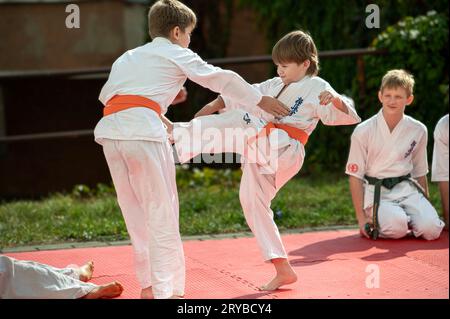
428	229
395	227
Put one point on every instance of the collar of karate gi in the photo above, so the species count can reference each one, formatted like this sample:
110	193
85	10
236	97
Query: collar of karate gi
161	40
381	120
285	86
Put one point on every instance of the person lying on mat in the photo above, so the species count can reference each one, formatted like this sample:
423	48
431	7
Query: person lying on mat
21	279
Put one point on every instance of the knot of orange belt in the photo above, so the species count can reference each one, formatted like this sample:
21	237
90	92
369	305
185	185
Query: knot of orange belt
122	102
293	132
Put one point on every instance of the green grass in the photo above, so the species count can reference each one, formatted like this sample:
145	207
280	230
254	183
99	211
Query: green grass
209	204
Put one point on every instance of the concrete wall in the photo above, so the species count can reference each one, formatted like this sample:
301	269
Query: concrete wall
247	39
35	36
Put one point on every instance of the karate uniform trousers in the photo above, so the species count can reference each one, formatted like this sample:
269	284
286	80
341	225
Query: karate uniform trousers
143	174
267	165
21	279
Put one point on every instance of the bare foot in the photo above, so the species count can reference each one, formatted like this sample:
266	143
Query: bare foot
86	271
111	290
285	275
147	293
279	281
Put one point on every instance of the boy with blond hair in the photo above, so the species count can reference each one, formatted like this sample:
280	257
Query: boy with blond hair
272	147
388	167
142	84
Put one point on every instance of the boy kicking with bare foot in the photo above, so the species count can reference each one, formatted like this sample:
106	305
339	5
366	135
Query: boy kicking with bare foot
279	139
20	279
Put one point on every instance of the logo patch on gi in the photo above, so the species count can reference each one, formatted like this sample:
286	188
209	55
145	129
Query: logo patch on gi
352	167
247	118
297	104
411	148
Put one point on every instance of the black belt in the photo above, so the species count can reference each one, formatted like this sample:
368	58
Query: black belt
389	183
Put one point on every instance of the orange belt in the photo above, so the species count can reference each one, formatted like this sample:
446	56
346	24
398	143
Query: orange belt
293	132
122	102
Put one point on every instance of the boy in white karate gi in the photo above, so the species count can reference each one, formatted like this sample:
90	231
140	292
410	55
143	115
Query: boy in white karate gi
272	147
22	279
142	84
439	168
388	167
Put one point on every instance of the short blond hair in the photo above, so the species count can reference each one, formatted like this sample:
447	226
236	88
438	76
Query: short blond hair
398	79
164	15
297	46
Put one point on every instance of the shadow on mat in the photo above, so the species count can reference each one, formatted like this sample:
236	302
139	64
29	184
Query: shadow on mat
390	248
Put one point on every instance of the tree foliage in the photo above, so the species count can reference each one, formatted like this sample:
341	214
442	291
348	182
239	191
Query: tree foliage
340	24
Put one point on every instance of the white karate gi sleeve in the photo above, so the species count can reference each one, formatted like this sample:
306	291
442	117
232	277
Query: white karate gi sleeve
330	115
356	163
439	170
225	82
419	156
264	88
